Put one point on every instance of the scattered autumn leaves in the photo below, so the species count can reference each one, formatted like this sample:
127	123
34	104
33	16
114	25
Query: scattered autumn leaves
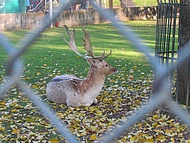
20	121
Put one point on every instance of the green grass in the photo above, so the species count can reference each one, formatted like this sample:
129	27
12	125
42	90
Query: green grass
138	3
143	3
50	55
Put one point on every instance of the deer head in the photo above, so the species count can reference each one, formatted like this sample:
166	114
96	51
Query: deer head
74	91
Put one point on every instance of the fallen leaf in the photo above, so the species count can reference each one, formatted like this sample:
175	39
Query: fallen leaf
93	137
54	140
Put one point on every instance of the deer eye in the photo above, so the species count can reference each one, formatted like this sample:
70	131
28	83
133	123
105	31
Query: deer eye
106	65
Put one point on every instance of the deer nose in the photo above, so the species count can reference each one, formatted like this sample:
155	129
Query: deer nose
115	70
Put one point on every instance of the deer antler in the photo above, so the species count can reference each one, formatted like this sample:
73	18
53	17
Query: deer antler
71	43
103	56
87	45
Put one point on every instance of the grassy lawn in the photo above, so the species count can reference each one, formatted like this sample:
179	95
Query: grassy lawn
138	3
49	54
143	3
122	93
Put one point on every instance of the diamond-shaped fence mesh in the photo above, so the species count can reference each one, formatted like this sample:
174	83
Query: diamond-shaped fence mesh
160	95
11	6
2	5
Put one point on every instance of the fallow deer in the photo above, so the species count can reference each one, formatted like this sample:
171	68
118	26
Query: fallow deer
75	91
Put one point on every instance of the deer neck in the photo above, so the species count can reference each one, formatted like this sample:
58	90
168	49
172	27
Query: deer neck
95	75
94	80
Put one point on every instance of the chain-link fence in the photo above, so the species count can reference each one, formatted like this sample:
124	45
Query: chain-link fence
2	6
12	6
160	95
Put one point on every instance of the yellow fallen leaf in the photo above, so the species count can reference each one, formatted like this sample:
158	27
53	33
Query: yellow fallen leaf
54	140
170	133
29	120
149	141
99	113
159	131
26	78
140	125
155	117
131	77
93	128
172	140
34	86
160	137
154	125
172	120
134	67
137	102
133	139
14	110
38	73
180	135
15	131
2	129
93	137
165	117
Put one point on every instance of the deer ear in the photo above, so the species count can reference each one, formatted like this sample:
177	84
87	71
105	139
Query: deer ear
91	61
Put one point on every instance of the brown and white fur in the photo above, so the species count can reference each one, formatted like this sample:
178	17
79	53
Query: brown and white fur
78	92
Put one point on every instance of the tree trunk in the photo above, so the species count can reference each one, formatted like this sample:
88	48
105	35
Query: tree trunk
184	37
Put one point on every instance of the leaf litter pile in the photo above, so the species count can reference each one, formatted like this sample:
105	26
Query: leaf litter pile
21	121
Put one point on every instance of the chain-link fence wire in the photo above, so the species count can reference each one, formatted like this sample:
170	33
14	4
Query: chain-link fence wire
12	6
161	93
2	5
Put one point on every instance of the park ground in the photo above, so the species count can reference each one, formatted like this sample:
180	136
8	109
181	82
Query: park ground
122	93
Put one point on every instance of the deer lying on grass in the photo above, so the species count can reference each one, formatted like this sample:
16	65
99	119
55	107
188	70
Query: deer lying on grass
75	91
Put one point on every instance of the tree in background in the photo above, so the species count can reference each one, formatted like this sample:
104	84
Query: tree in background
184	38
